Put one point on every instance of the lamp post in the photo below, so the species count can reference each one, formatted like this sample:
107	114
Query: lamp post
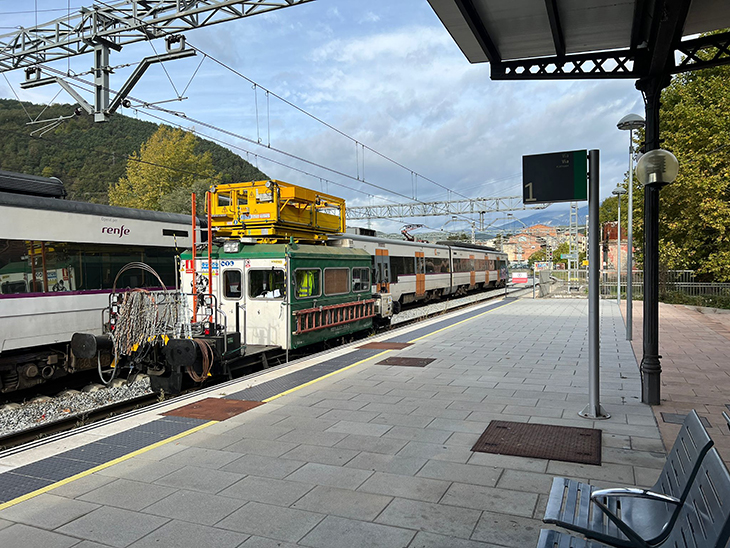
629	123
655	169
618	192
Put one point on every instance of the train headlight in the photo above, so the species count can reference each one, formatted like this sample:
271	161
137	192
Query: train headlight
231	247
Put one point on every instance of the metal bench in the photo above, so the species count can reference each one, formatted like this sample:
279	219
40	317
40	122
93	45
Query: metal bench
629	517
703	520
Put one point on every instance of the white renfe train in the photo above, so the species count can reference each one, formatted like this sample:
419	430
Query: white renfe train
58	261
418	271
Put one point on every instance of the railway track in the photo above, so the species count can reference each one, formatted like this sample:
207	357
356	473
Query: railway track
20	437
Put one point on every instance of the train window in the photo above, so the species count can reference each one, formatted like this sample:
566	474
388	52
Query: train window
265	283
336	281
307	282
45	267
402	266
420	265
232	284
360	279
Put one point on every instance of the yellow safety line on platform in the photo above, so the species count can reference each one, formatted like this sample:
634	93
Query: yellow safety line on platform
85	473
462	321
309	383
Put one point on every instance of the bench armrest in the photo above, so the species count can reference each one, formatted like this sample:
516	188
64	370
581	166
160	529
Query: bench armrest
633	492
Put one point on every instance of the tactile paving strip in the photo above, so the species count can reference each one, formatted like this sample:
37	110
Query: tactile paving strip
26	479
541	441
385	345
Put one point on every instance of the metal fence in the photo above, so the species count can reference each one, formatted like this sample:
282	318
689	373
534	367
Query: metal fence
563	283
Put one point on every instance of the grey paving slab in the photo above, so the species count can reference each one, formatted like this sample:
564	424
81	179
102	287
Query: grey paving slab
89	544
336	456
256	431
187	535
267	490
4	523
205	458
140	470
83	485
336	532
395	485
407	466
257	465
123	493
428	435
47	511
333	476
266	448
196	478
313	437
361	428
507	530
261	542
343	502
463	473
436	451
372	444
24	536
265	520
433	518
195	507
490	498
432	540
104	525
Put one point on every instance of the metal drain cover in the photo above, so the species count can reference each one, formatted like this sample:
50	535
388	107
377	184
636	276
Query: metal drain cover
386	345
541	441
214	409
407	362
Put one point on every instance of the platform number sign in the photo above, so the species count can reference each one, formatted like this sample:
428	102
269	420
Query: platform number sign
555	177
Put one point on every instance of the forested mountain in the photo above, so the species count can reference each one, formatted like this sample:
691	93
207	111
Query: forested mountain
89	157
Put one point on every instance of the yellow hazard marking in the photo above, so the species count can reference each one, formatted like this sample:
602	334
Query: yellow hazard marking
128	456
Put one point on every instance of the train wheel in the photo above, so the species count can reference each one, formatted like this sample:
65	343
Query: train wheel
397	307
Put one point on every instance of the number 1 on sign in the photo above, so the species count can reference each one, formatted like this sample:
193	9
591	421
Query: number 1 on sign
530	197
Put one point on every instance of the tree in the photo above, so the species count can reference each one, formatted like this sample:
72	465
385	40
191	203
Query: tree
695	210
166	167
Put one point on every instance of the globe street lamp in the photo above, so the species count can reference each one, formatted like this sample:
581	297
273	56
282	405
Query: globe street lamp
629	123
618	192
655	169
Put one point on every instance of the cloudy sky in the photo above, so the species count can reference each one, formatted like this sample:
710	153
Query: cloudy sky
384	74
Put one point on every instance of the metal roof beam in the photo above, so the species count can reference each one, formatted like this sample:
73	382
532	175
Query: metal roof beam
555	27
704	52
585	66
668	21
474	20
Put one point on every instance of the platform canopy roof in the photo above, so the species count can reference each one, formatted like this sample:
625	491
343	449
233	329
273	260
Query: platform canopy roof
554	39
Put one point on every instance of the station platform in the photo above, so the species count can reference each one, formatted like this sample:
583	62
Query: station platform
341	450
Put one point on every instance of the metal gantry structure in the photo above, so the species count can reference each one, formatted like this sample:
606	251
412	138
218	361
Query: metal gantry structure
110	26
474	206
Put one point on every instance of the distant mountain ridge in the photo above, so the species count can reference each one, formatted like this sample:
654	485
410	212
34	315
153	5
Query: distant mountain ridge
89	156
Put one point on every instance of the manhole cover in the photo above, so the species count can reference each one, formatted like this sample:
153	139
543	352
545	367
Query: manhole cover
541	441
407	362
386	345
214	409
678	418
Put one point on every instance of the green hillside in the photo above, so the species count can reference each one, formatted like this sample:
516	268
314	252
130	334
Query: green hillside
88	157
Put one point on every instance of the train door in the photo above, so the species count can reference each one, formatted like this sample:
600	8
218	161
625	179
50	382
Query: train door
231	295
420	273
382	271
473	274
266	302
